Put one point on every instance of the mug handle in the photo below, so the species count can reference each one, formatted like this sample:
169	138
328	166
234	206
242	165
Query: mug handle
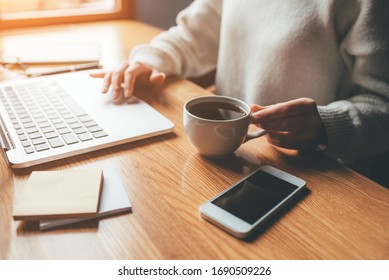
253	135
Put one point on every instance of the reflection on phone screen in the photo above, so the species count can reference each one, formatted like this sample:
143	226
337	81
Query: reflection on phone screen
255	196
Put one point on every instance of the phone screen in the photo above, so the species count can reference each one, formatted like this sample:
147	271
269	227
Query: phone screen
255	196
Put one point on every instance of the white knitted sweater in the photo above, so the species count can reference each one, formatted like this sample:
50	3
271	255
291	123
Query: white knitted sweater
333	51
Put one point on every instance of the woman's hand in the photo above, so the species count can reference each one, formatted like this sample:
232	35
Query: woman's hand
122	80
295	124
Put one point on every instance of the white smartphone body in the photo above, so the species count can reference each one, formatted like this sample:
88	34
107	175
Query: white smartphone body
246	205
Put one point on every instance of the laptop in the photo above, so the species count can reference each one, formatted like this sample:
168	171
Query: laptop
54	117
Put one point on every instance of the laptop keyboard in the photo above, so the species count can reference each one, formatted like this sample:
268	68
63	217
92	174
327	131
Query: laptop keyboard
46	117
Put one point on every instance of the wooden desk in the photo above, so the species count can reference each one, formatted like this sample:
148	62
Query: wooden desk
344	215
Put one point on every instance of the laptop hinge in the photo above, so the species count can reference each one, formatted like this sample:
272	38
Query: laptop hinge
5	140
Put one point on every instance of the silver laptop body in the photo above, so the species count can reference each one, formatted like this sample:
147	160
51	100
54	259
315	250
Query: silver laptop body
53	117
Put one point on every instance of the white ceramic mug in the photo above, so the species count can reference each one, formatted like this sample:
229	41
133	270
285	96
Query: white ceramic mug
218	138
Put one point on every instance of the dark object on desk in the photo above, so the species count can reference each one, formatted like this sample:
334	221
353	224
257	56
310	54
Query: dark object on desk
248	204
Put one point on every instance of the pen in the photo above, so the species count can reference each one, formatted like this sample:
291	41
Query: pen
64	69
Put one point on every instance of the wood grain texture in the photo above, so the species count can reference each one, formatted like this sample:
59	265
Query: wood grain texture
343	216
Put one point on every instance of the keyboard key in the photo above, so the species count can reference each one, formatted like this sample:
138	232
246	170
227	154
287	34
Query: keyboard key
84	136
9	90
26	120
70	138
19	131
51	134
71	120
21	110
75	125
90	123
37	116
60	125
26	143
56	121
47	129
34	110
40	119
42	147
50	112
32	129
99	134
53	116
44	124
85	118
67	115
22	137
28	125
56	142
35	135
62	109
29	150
64	130
23	114
38	141
56	102
94	128
17	126
79	130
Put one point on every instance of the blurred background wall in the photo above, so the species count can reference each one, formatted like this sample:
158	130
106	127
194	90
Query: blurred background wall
160	13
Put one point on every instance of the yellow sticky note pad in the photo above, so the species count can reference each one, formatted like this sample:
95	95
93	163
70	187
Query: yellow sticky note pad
60	194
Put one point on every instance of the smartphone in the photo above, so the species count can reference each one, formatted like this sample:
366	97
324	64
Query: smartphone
246	205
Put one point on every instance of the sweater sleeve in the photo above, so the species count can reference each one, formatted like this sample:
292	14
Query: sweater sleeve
359	125
188	49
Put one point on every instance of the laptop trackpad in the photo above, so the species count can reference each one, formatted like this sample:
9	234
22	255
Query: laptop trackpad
120	117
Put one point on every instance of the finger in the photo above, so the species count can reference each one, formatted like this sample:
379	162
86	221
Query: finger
283	140
107	82
107	79
157	77
294	123
117	80
283	110
129	82
131	74
292	140
100	74
255	108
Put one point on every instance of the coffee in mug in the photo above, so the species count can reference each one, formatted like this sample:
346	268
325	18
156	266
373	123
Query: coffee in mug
217	110
218	125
